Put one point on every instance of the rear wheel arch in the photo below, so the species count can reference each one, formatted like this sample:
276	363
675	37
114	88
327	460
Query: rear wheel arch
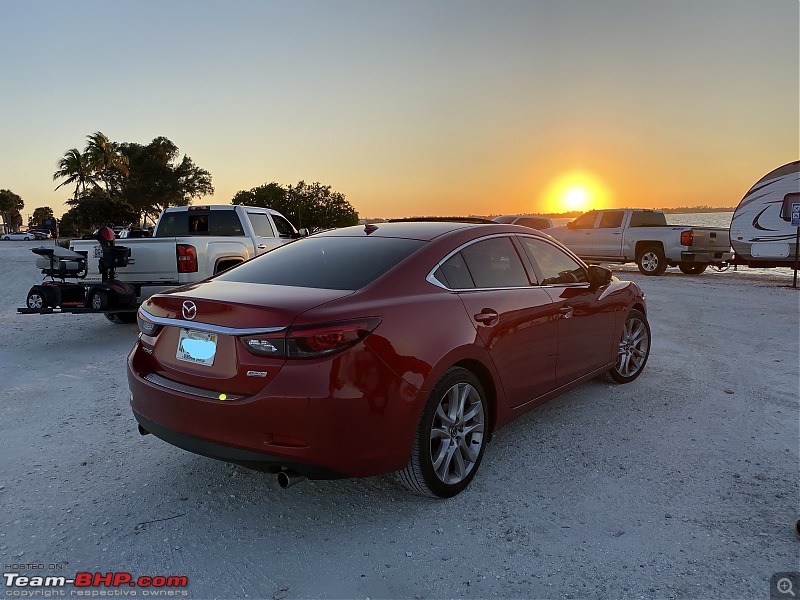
227	262
483	374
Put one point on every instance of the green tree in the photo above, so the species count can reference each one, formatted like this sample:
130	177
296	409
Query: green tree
10	206
94	210
306	205
40	215
74	167
158	179
105	161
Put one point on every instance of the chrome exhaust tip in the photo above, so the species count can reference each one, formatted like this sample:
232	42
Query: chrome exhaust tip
287	479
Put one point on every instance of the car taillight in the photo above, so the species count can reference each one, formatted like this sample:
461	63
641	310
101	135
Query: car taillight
312	341
146	326
687	237
187	258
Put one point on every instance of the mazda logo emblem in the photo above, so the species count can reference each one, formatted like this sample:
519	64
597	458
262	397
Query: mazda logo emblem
189	310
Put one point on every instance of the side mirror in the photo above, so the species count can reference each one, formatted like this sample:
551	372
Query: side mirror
599	276
303	232
571	225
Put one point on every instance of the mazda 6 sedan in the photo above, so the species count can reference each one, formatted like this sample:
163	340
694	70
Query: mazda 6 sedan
397	347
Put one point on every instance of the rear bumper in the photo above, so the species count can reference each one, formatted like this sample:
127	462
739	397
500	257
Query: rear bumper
709	257
257	461
348	416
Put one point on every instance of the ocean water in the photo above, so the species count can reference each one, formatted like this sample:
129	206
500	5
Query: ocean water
715	219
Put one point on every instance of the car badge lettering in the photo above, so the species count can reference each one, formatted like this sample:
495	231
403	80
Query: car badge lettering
189	310
256	373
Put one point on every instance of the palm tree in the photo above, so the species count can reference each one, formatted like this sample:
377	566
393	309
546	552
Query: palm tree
103	158
73	168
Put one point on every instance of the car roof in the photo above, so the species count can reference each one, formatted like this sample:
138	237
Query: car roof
420	230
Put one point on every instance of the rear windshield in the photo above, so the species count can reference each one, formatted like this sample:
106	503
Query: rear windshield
648	219
195	222
333	263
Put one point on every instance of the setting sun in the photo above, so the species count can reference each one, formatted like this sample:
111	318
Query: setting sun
575	191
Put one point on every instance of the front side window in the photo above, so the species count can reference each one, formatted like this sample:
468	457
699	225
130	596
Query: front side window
557	266
494	263
285	229
585	221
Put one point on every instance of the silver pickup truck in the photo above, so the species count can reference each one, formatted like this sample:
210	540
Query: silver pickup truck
192	243
643	236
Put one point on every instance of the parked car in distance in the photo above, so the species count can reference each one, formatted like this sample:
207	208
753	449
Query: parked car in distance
18	235
643	236
532	221
41	234
133	232
392	347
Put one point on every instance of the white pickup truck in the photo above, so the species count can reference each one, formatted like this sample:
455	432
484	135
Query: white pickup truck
192	243
643	236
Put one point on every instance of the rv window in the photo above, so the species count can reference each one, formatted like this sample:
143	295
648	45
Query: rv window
786	207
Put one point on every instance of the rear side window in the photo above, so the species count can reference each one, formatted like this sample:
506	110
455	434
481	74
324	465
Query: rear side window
192	223
611	219
261	224
642	218
334	263
494	263
557	266
454	274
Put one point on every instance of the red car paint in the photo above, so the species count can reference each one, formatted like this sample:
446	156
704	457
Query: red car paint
355	413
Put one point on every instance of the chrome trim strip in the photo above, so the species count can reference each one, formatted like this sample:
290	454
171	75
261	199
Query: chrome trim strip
207	327
186	389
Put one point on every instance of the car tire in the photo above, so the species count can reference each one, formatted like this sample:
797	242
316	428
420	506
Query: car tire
121	318
692	268
651	261
36	300
634	349
99	300
26	239
6	238
451	437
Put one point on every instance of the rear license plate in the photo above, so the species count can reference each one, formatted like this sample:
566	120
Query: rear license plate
197	347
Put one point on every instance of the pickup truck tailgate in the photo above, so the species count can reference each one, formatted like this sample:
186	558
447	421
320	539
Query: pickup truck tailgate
710	239
152	259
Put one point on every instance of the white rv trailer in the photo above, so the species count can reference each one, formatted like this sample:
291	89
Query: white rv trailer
761	231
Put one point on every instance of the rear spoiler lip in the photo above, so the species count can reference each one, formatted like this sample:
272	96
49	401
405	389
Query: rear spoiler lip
208	326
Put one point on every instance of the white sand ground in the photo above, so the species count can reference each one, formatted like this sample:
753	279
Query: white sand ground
683	484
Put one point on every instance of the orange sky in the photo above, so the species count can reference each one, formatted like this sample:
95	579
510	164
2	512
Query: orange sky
416	108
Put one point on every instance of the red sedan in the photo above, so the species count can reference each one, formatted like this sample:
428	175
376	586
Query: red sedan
390	347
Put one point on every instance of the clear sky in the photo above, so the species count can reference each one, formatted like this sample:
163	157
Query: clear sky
414	107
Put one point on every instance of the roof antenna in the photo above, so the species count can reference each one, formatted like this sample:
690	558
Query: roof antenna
369	228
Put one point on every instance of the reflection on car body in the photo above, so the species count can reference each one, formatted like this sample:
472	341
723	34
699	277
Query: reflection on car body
392	347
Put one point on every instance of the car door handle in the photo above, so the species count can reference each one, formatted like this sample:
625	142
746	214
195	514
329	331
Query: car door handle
261	247
566	311
487	316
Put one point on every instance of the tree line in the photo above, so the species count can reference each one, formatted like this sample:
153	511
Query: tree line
130	183
121	183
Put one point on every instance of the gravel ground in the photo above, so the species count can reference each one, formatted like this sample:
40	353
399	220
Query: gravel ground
683	484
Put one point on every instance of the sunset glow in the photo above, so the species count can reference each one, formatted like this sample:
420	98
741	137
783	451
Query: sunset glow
576	191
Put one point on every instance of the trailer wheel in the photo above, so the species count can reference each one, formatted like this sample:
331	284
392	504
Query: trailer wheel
121	318
36	300
651	261
692	268
99	300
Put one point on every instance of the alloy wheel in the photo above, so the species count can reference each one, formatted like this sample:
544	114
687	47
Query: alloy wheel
457	433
